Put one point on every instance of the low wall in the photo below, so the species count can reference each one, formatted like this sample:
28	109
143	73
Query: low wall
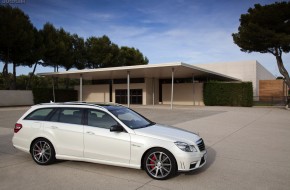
16	98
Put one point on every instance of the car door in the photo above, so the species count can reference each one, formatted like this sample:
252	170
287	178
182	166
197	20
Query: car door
101	144
66	128
33	125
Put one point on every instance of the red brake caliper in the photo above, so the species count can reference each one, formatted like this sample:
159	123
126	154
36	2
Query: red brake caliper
151	162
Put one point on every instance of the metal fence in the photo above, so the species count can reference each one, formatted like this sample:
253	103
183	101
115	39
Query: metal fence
270	100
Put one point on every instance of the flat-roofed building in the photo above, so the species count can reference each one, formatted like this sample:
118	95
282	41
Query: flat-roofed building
169	83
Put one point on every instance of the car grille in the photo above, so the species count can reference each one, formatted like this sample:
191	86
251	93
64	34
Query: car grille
200	145
192	166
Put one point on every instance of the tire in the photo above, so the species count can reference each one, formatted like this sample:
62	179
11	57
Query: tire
160	164
42	152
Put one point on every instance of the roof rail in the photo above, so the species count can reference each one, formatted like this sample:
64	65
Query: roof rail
96	104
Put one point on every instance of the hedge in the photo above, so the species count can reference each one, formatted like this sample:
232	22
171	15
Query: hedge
228	94
45	95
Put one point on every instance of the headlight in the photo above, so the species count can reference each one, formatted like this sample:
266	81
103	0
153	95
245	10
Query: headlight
185	147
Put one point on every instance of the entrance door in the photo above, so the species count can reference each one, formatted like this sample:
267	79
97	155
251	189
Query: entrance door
135	96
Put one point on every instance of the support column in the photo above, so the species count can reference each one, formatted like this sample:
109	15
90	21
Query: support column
172	83
193	89
53	92
153	91
128	89
81	88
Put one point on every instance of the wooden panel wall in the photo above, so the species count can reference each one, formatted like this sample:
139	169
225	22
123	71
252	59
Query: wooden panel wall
272	88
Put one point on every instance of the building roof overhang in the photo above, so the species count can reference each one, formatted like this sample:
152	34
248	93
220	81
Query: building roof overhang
161	71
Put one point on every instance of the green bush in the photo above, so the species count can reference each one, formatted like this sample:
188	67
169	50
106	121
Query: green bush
45	95
228	94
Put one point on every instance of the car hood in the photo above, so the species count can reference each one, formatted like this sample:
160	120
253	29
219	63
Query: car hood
169	133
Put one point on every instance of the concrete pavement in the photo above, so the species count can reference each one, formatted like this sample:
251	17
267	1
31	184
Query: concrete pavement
248	148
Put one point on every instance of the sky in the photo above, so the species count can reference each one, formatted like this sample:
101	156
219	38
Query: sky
189	31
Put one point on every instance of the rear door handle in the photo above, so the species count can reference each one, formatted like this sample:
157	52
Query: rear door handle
53	127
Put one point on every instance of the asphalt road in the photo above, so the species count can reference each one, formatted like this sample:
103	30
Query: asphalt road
248	148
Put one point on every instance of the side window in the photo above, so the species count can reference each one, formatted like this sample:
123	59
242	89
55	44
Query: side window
68	115
55	116
39	114
100	119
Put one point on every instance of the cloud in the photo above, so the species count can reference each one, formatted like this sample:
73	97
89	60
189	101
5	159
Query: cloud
100	16
191	31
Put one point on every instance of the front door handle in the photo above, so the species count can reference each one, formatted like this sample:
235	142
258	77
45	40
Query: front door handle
90	133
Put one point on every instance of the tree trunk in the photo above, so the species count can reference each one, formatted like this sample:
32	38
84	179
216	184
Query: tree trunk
285	74
5	76
5	69
67	83
30	77
13	84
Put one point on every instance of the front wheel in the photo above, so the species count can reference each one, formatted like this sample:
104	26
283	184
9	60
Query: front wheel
42	152
160	164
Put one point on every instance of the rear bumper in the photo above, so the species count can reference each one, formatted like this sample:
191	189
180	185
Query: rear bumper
20	144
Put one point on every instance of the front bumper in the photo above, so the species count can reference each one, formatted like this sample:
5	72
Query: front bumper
191	161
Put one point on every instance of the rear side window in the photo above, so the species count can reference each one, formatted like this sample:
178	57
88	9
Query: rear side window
40	114
68	115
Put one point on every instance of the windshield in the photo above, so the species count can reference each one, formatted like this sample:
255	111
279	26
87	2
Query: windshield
131	118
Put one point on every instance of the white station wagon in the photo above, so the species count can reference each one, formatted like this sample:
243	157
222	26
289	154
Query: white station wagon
107	134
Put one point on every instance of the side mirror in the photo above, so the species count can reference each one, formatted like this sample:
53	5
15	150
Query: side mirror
116	128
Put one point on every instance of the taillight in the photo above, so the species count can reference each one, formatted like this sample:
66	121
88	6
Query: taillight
17	127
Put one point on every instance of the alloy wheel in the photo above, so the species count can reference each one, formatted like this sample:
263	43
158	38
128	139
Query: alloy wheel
42	152
158	165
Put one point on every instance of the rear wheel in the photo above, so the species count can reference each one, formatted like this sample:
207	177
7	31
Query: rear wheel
43	152
160	164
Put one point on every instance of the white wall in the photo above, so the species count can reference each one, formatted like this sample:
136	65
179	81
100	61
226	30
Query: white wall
262	74
95	93
250	71
16	98
152	85
184	94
